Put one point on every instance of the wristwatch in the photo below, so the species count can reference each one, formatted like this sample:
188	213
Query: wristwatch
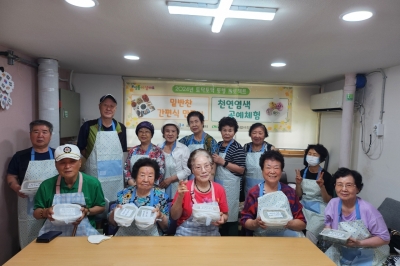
225	164
88	212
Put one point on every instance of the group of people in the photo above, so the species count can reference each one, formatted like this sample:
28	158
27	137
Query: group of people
175	175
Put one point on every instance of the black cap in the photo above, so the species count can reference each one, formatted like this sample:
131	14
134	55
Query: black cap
108	96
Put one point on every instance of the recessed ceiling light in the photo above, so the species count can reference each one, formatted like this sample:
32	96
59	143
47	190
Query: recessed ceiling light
131	57
357	16
83	3
278	64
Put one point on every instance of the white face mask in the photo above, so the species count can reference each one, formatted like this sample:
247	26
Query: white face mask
312	160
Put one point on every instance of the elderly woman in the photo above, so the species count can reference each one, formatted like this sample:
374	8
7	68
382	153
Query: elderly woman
368	244
144	193
176	158
257	132
231	163
144	132
201	190
199	139
272	194
314	186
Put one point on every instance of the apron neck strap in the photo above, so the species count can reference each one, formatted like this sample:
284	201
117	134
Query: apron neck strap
261	186
227	147
152	203
358	214
58	184
262	148
319	172
49	151
173	146
192	192
100	123
202	138
148	149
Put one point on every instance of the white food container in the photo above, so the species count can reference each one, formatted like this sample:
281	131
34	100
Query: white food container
145	218
335	236
30	187
66	213
275	217
124	216
204	213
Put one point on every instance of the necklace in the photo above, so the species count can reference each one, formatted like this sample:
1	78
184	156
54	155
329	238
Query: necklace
209	182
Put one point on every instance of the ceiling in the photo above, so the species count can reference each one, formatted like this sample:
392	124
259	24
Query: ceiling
308	35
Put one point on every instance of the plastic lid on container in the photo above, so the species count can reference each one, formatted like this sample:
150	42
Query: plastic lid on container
124	216
67	213
275	217
145	218
30	186
205	213
337	236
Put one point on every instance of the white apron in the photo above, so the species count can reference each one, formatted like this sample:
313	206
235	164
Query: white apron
231	184
192	228
105	162
133	230
170	170
274	200
253	170
193	146
84	227
313	204
343	255
28	226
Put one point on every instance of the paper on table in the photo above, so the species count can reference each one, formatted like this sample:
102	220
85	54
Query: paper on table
96	239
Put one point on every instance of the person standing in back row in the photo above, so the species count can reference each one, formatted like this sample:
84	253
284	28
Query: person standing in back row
102	142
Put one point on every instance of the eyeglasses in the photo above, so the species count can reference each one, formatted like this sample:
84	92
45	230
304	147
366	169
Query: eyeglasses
200	167
347	186
144	132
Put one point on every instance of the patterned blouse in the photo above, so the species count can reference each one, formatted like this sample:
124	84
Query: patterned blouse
155	153
160	199
209	142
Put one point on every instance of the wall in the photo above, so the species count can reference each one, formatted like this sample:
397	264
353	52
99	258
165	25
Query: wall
379	173
14	136
92	88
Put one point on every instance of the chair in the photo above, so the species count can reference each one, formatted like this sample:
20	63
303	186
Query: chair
284	178
390	210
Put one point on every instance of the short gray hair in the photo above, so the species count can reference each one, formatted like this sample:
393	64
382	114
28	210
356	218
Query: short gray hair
197	153
41	123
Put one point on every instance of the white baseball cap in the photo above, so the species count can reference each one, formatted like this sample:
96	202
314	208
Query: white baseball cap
170	122
67	151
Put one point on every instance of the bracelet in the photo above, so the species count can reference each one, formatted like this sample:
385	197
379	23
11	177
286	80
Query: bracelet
226	164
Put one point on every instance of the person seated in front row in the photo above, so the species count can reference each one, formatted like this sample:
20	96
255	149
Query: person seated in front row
144	172
202	191
273	195
70	186
368	244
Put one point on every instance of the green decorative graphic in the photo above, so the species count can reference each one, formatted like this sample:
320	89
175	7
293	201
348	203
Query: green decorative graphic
210	90
349	96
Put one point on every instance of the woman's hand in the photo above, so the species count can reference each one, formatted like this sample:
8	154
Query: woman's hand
182	188
48	213
320	180
299	179
352	242
159	214
218	159
165	183
222	219
259	223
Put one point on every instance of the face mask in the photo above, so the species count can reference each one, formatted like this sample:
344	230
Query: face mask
312	160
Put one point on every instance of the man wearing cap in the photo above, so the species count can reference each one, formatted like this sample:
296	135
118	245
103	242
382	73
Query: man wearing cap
69	187
33	164
144	132
102	142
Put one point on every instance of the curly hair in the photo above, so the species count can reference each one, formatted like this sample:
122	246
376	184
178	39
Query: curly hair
343	172
274	156
319	148
228	121
143	162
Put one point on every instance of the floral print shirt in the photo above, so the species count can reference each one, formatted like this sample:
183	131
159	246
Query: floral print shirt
155	153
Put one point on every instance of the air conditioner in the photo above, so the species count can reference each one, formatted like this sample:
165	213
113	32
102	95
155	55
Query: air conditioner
328	101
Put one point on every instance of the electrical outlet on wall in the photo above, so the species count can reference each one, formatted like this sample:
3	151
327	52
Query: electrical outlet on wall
378	129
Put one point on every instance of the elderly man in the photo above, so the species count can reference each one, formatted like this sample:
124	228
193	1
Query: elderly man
34	163
102	142
69	186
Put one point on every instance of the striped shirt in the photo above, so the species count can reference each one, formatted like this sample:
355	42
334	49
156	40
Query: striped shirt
234	155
